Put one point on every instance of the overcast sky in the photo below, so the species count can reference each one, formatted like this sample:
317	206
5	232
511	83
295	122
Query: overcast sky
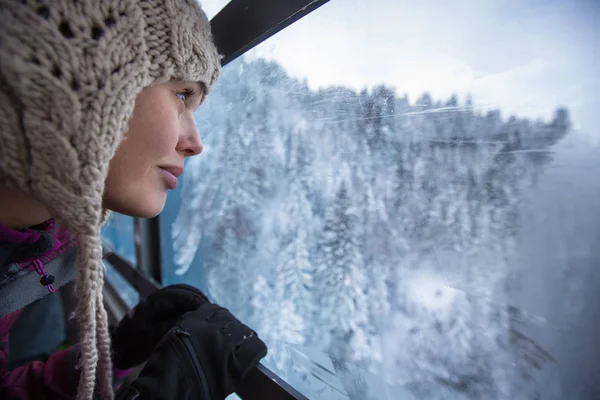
523	56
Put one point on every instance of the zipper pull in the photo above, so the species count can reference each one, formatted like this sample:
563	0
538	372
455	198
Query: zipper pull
46	279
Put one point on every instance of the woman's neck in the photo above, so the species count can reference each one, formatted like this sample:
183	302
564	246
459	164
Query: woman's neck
19	210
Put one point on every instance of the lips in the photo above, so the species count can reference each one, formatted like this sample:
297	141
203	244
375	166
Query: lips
170	175
176	171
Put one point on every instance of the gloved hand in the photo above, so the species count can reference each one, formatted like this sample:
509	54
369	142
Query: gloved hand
204	356
138	333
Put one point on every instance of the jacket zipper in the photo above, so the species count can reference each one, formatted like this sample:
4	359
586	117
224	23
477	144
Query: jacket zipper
184	338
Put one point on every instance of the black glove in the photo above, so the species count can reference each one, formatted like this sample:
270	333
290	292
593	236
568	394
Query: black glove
138	333
204	357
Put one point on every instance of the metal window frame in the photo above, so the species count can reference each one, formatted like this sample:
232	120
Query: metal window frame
147	249
255	21
243	24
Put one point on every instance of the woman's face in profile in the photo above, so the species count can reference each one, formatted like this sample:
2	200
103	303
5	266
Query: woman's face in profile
161	134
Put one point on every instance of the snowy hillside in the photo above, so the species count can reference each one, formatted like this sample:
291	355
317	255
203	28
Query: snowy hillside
367	228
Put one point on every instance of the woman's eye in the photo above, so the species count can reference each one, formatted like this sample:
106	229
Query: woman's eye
185	94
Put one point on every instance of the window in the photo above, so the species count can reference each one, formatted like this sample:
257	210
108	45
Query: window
401	199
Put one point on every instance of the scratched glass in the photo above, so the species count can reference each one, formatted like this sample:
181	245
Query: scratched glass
402	199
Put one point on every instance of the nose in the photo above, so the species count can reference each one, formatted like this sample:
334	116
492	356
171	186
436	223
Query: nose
190	142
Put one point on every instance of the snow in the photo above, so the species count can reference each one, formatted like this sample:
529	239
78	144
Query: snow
431	293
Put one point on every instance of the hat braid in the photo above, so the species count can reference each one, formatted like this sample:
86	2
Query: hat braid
87	292
104	348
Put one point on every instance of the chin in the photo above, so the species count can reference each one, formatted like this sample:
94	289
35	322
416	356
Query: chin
146	213
150	207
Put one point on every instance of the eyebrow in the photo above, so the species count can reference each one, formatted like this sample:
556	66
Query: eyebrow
200	88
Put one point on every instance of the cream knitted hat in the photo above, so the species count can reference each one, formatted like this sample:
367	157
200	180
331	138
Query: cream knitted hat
69	75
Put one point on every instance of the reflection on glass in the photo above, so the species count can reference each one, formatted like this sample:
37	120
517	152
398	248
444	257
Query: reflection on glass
394	246
118	234
127	292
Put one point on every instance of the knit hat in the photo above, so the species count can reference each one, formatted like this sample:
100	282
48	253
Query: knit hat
69	75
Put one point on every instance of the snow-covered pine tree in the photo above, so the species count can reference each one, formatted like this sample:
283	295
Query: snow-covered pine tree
227	281
274	320
340	282
293	270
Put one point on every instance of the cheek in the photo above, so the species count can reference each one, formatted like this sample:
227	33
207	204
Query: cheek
133	185
126	163
151	143
137	193
158	140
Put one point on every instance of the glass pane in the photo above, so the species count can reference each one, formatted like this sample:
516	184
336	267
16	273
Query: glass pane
125	289
212	7
118	234
401	198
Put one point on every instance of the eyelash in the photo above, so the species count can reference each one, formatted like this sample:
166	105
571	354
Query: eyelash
186	93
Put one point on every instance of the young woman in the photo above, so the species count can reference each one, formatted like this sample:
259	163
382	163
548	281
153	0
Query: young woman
96	114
